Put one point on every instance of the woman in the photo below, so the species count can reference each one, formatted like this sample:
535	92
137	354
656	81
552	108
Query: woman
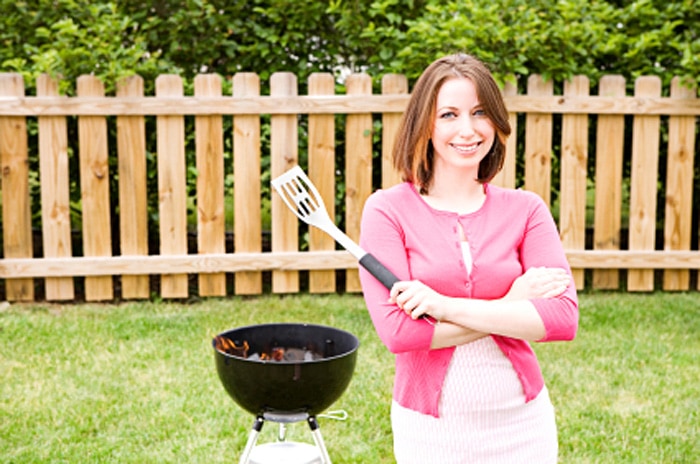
482	271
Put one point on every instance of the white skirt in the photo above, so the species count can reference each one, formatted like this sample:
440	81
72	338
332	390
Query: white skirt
483	416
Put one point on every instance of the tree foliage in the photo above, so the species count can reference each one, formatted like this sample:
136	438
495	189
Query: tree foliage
114	39
556	38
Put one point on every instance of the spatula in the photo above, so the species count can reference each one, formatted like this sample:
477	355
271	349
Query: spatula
300	195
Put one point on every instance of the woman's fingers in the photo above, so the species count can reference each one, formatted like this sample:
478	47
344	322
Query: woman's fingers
397	289
540	282
409	296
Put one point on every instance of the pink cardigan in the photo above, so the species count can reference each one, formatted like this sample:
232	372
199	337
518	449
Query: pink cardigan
510	233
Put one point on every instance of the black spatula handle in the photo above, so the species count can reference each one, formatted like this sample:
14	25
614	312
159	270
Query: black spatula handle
386	277
378	270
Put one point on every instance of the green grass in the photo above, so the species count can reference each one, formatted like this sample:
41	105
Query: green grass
136	382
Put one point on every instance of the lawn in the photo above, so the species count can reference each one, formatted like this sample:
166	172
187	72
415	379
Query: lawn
136	382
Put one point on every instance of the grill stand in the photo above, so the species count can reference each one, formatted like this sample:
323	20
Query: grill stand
317	455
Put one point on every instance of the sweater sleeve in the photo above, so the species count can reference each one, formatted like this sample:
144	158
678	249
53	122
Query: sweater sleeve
541	246
381	235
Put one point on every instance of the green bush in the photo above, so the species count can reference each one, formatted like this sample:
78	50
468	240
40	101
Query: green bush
555	38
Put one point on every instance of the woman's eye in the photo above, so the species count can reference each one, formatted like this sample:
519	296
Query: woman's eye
447	115
479	112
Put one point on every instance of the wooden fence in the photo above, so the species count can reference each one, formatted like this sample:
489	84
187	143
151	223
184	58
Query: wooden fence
618	247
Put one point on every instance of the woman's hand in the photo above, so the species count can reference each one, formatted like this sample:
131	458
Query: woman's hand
417	299
539	282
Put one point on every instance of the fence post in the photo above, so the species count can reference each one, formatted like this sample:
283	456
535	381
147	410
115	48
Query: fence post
172	186
94	186
391	84
284	146
14	168
133	195
679	186
211	227
538	142
610	134
358	167
506	176
247	224
574	174
54	175
322	174
644	179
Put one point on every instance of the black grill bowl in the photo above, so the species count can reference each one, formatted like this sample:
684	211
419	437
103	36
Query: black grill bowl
288	386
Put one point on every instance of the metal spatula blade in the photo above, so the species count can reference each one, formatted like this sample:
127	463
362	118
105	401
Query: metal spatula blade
300	196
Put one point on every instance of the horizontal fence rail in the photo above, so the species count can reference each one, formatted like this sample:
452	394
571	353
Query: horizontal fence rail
339	104
169	195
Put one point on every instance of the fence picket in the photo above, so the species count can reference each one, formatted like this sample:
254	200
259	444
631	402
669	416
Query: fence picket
172	186
133	211
358	167
643	188
506	176
54	175
574	174
284	155
392	84
14	168
209	146
247	222
679	186
608	182
322	174
538	142
94	187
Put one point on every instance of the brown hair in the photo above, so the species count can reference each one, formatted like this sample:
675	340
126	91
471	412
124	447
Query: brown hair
413	150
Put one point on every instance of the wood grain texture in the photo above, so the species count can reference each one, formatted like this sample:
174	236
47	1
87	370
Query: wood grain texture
506	176
133	194
574	175
284	146
538	143
358	168
392	84
94	189
607	220
209	148
679	186
172	187
337	104
54	175
644	179
14	168
321	172
247	220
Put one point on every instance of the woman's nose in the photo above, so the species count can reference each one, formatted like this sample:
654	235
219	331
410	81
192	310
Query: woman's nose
466	126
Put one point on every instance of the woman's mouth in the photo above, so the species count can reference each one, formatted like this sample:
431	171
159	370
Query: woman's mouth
466	149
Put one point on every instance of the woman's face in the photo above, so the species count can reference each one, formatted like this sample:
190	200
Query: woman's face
462	133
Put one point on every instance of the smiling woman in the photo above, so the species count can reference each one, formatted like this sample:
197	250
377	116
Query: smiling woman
485	261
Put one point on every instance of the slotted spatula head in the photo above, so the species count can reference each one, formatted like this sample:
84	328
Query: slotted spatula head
301	196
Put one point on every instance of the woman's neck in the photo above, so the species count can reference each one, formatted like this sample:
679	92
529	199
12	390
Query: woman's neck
455	192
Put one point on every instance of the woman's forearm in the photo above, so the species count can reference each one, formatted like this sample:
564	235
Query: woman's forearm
510	318
448	334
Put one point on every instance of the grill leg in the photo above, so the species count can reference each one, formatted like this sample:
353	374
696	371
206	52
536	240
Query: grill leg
318	439
282	434
252	439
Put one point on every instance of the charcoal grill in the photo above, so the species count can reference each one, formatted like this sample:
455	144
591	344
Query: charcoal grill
287	391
